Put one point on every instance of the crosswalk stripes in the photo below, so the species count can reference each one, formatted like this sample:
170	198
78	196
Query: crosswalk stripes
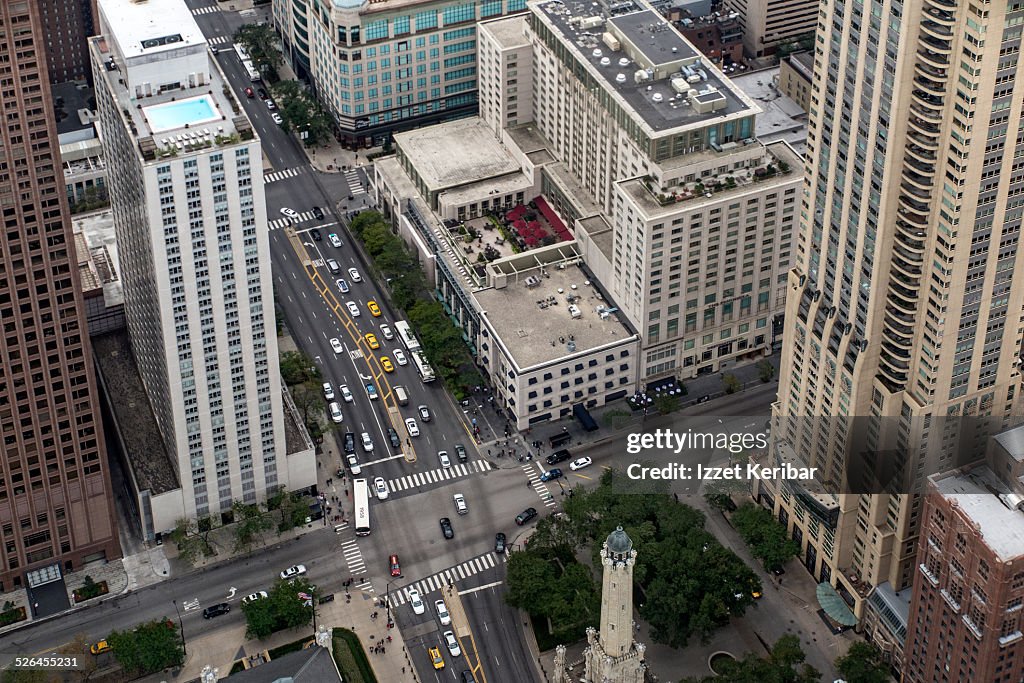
355	184
208	9
440	474
218	40
281	175
353	557
282	222
443	578
540	487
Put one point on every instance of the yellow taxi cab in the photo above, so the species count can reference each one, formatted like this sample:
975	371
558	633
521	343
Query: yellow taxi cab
371	340
436	658
100	647
374	308
385	363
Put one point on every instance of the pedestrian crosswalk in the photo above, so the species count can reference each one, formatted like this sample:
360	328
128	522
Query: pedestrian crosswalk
208	9
279	223
440	474
355	184
282	174
533	474
447	577
218	40
353	557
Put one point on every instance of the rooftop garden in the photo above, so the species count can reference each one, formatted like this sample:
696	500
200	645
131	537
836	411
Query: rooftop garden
708	186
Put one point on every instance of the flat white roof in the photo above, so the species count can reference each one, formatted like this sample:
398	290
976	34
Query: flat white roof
976	492
143	27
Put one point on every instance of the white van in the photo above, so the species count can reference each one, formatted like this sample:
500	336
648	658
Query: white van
336	413
401	395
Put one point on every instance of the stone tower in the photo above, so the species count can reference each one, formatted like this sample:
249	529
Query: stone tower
612	655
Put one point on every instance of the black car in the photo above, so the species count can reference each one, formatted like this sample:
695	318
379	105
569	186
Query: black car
525	516
446	528
467	677
318	212
558	456
396	442
499	542
315	234
350	442
460	452
216	610
262	93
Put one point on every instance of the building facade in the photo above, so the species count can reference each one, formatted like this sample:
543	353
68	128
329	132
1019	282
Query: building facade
902	305
767	24
796	73
67	25
387	65
186	186
56	500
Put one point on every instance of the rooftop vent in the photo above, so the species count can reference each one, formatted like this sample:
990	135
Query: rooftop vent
532	281
606	61
657	97
575	311
597	52
621	78
624	61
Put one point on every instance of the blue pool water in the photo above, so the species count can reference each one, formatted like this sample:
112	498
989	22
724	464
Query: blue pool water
174	115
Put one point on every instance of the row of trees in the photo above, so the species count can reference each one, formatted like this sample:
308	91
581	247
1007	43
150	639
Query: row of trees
786	663
304	381
764	535
302	112
442	342
260	42
284	607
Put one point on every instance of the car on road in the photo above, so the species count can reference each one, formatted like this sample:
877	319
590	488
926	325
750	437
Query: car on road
467	677
216	610
460	503
499	542
460	452
346	395
371	391
380	487
290	213
400	357
318	212
551	475
453	644
262	93
525	516
371	341
349	445
558	456
386	331
353	464
580	463
442	612
100	647
334	239
424	413
293	571
435	657
354	274
276	118
249	93
328	391
446	528
386	363
270	104
315	234
333	266
367	442
393	437
374	308
336	345
353	309
442	456
253	597
342	285
416	602
412	427
335	410
393	566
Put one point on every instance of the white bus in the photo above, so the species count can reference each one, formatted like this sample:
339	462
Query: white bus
409	340
361	496
423	368
243	57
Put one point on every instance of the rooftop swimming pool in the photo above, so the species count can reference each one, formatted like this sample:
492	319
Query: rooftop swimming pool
174	115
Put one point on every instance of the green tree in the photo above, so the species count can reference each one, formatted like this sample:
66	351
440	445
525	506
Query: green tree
765	370
152	647
192	540
784	664
863	663
765	536
281	609
616	418
260	42
731	383
720	501
302	112
297	367
292	506
531	580
25	676
309	401
250	523
666	404
259	619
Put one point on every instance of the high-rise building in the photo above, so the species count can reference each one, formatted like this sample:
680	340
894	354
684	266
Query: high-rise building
186	186
55	492
902	307
67	25
387	65
769	24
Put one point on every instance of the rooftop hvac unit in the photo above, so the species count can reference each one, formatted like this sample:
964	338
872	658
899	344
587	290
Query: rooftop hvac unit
621	78
679	85
532	281
624	61
611	41
575	311
570	346
606	61
640	76
597	52
657	97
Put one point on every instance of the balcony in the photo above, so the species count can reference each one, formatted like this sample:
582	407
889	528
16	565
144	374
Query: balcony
937	30
918	185
925	110
934	59
940	5
940	16
913	209
928	130
930	72
893	380
940	47
924	158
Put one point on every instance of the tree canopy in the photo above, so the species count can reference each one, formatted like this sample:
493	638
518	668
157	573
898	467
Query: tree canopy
302	112
784	664
260	42
863	663
282	609
152	647
765	536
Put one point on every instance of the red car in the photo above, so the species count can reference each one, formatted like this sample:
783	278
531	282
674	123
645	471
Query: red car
396	569
249	93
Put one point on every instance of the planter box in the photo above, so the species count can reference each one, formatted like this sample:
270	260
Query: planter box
103	590
12	616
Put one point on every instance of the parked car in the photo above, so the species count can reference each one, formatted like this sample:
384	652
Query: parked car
393	437
551	474
394	566
328	391
525	516
293	571
380	487
216	610
445	461
350	443
424	413
262	93
416	602
335	410
276	118
580	463
100	647
410	424
270	104
499	542
460	452
446	528
253	597
453	644
442	612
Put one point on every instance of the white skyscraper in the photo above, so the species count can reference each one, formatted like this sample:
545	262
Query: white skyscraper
186	186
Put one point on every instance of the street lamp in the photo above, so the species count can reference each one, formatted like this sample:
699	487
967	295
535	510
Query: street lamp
181	628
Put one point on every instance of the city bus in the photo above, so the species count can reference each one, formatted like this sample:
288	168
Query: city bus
409	340
361	496
423	368
243	57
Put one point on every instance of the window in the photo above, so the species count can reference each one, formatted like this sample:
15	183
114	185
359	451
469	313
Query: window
458	14
490	8
425	20
377	30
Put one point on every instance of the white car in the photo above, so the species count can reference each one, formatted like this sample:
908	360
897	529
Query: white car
293	571
335	410
328	391
416	601
367	442
334	239
580	463
443	457
277	118
386	332
336	345
381	488
353	309
346	395
400	357
342	285
354	274
442	612
410	424
253	597
452	643
291	213
353	464
424	413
